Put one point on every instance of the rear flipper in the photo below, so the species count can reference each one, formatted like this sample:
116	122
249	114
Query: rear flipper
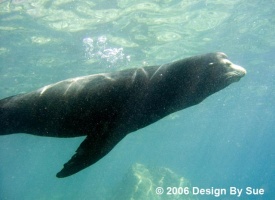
88	153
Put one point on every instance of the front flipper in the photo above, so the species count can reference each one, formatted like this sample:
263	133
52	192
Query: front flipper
88	153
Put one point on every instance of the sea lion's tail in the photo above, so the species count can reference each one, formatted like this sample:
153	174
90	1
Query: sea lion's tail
2	118
6	117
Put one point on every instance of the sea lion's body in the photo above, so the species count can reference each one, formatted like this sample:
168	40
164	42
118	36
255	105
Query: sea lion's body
106	107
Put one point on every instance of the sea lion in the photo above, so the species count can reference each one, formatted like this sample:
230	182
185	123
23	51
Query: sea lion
106	107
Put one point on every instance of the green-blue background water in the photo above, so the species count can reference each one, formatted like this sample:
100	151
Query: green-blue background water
227	140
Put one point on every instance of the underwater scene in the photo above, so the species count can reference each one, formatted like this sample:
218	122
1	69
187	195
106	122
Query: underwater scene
218	147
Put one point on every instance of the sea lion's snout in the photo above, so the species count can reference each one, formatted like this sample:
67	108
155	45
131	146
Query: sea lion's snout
233	68
241	71
233	72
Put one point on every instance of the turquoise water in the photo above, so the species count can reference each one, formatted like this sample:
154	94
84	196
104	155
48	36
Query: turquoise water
226	141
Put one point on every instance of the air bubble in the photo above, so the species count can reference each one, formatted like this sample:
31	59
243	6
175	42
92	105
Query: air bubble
98	49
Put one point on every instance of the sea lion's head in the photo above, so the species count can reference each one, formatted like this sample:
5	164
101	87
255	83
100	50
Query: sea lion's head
225	69
217	72
201	76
